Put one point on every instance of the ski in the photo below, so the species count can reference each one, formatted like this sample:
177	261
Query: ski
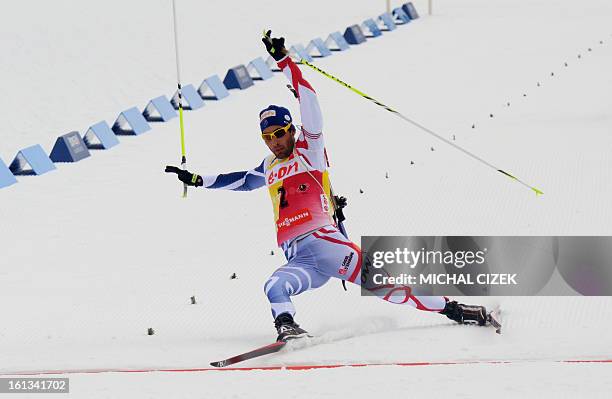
264	350
493	318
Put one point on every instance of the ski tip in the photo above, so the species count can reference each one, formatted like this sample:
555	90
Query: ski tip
218	364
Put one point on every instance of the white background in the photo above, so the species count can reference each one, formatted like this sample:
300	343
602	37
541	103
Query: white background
95	253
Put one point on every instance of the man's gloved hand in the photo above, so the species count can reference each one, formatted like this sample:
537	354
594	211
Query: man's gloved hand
275	46
191	179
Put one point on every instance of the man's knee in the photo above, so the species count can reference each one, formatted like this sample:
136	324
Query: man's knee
283	284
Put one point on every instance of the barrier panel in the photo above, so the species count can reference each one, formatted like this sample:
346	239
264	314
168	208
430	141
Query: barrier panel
300	52
100	137
410	10
317	44
31	161
238	78
372	27
354	35
131	122
69	147
388	21
191	98
259	70
6	177
214	86
338	41
271	62
159	109
401	16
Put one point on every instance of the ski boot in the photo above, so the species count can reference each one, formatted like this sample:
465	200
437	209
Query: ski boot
465	314
287	329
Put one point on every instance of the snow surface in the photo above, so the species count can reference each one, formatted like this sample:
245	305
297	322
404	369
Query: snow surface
95	253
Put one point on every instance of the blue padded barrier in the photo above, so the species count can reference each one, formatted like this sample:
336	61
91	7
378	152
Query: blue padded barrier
354	35
301	53
238	78
400	16
31	161
212	88
159	109
410	10
318	44
388	21
336	42
6	176
131	122
100	137
259	70
191	98
69	147
372	27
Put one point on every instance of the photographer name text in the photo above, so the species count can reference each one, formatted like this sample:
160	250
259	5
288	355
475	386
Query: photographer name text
448	279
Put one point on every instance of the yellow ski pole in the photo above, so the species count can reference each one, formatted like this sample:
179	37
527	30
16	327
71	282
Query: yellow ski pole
180	96
431	132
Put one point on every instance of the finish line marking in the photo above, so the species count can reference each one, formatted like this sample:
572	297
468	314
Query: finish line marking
294	368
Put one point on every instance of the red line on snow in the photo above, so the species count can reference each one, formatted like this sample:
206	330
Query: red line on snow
588	361
297	367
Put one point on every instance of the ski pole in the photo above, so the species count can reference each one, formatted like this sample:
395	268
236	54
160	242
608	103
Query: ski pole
180	95
431	132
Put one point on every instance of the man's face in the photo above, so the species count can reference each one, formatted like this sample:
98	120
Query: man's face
280	147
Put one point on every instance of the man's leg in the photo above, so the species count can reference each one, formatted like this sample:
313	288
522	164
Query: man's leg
340	258
293	278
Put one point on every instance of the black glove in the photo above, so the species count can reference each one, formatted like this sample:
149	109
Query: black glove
275	46
341	202
191	179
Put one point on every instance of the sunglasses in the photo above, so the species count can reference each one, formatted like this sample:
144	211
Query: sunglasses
278	133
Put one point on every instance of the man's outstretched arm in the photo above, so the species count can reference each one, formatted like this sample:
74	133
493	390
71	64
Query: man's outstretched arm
237	181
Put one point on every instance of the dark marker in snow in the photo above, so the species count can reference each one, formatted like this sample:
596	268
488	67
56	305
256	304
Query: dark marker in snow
360	191
193	300
272	252
538	84
411	162
150	331
386	175
233	276
566	64
473	126
490	115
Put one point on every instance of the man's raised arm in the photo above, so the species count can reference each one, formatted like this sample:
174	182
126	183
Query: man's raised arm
312	120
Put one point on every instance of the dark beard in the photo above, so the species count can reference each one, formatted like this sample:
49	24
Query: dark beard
284	155
287	152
